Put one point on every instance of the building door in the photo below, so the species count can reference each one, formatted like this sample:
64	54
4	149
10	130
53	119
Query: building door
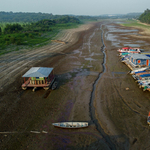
147	62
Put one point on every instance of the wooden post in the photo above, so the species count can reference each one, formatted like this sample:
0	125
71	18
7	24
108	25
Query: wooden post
24	80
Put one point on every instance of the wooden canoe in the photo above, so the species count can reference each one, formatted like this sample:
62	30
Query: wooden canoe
71	125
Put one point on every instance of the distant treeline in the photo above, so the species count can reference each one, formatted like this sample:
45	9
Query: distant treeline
25	17
145	17
33	17
42	25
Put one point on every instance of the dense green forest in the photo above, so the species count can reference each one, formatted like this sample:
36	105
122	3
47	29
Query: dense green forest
17	35
145	17
25	17
33	17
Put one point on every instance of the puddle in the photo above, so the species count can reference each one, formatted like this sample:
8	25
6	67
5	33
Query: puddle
91	59
120	73
119	22
76	63
140	41
131	33
89	66
76	51
92	54
89	42
132	45
125	38
111	37
73	57
125	30
113	29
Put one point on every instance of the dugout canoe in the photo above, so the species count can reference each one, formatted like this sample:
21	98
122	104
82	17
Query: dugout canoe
71	125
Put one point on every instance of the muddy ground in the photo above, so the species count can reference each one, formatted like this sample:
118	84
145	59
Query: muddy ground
92	87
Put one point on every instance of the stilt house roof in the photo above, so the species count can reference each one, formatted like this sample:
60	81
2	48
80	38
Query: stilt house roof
38	72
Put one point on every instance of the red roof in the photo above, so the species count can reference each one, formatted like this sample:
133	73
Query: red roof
126	47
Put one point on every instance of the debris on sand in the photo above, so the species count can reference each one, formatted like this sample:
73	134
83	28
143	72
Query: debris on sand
127	89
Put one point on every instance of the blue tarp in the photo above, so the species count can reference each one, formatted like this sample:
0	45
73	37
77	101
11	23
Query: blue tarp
140	72
145	75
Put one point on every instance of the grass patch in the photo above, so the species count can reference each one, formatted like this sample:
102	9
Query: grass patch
135	23
18	40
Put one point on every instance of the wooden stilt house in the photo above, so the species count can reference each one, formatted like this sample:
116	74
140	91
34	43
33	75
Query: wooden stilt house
38	77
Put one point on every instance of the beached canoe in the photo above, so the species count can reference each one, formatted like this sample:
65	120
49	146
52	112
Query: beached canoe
138	70
72	125
148	119
54	85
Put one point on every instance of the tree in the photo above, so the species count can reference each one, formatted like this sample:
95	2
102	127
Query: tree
0	30
10	28
145	17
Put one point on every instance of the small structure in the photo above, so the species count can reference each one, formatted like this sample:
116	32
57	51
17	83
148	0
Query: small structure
38	77
140	60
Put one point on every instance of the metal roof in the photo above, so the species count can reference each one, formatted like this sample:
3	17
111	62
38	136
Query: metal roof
139	56
38	72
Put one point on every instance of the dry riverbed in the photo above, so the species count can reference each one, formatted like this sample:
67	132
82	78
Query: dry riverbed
92	87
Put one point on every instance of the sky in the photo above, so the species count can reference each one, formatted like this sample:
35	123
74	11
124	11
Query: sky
75	7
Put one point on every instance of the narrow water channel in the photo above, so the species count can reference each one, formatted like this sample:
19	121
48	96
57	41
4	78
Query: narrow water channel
91	104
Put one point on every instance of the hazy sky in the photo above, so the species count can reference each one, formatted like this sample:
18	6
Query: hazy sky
76	7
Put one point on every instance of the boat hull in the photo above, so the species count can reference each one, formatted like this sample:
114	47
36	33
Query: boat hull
148	119
71	125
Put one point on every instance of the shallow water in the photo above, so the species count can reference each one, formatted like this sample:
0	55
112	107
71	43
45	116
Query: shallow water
125	41
132	45
114	29
91	59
